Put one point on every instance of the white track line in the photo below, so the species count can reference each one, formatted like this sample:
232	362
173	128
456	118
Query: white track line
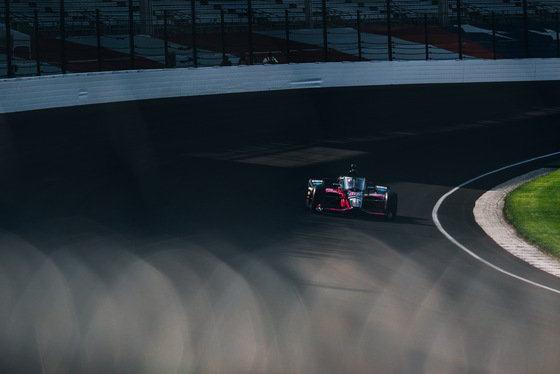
468	251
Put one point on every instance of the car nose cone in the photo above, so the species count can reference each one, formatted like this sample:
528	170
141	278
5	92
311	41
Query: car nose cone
355	202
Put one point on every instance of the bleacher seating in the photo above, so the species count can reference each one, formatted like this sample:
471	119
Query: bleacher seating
82	12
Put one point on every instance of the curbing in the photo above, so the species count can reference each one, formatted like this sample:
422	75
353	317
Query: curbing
488	213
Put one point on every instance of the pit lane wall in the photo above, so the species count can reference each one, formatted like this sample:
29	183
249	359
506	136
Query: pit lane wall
32	93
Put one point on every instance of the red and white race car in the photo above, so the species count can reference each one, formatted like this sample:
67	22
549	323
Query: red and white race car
351	194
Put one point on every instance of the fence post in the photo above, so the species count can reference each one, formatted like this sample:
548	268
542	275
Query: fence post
250	31
8	40
37	45
459	30
325	35
131	33
194	47
494	34
223	33
526	28
426	36
287	38
62	38
98	39
389	36
557	38
308	4
165	38
359	36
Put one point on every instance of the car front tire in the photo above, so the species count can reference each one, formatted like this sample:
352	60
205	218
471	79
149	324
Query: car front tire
317	198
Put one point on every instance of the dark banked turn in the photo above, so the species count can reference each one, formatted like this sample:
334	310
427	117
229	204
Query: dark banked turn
173	235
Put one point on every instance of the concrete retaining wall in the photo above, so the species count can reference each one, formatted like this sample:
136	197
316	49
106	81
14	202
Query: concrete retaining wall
24	94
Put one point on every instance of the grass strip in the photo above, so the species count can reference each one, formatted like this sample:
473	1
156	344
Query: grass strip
534	210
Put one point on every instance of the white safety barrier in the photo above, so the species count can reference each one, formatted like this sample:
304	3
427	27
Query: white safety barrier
31	93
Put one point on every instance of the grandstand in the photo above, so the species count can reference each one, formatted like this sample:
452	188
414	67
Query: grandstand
81	13
162	35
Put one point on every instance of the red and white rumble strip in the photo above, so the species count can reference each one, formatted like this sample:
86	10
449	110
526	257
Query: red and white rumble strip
488	213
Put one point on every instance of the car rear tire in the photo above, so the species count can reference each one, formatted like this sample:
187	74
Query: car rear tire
392	204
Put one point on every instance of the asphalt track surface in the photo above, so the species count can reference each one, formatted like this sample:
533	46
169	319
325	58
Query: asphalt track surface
171	235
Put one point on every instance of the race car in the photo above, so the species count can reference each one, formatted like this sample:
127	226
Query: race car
351	194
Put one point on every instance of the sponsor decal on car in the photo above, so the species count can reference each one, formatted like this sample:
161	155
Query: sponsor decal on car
332	190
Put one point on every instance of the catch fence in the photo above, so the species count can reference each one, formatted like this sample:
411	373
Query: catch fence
67	36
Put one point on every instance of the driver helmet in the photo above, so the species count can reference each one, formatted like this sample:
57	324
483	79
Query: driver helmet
353	172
